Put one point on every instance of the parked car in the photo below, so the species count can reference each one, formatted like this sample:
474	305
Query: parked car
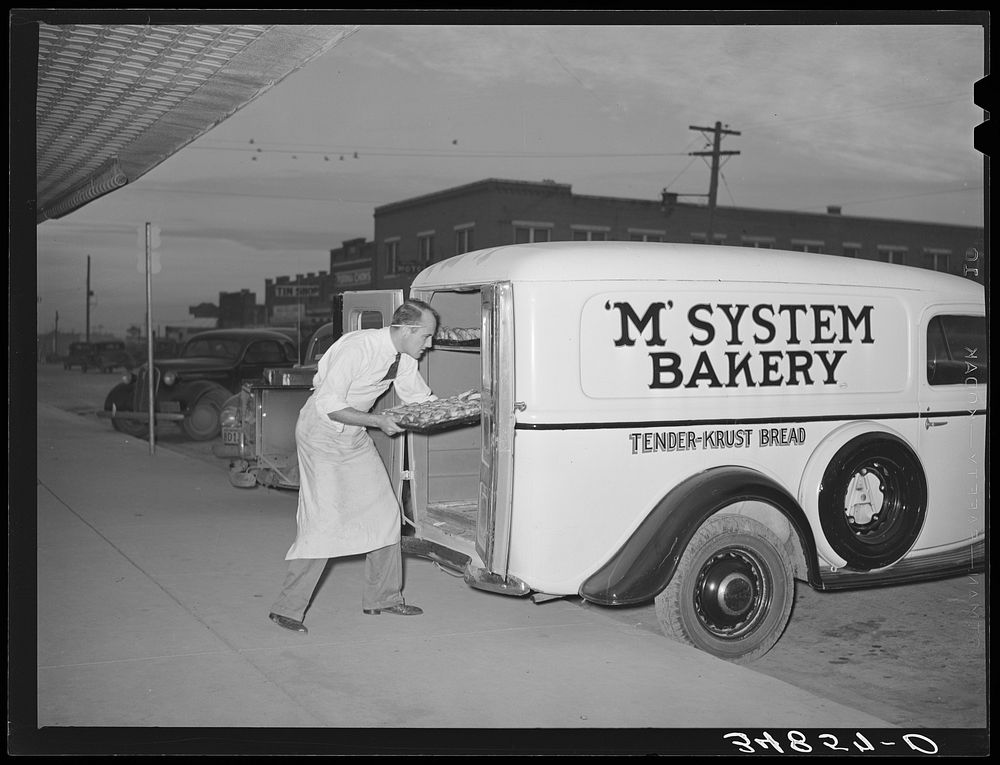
191	388
258	423
163	348
111	355
80	355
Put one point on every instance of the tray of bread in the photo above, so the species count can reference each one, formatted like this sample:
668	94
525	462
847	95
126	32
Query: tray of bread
442	414
466	338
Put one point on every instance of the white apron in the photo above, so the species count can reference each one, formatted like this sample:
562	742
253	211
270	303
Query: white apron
346	502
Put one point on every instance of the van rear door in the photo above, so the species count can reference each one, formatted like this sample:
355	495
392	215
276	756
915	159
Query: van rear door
497	465
953	392
373	309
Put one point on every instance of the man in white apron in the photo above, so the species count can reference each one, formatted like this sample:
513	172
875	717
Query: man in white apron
346	502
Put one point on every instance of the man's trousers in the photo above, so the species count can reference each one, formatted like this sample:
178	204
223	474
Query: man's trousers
382	589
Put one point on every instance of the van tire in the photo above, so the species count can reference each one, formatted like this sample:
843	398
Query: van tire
879	478
747	557
202	422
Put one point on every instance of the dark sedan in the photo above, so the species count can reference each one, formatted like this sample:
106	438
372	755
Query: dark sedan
191	388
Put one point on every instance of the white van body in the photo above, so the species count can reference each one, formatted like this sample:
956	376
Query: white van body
696	425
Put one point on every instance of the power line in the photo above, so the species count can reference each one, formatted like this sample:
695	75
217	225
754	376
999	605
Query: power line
212	192
436	154
840	115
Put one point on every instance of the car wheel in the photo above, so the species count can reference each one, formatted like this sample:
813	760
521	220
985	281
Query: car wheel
872	501
731	595
202	421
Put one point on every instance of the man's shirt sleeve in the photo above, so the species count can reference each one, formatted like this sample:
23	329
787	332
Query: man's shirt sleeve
337	370
410	385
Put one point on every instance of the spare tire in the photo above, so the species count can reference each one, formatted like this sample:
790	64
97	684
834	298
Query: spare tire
872	501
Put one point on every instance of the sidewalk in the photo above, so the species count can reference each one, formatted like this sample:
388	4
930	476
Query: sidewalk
155	578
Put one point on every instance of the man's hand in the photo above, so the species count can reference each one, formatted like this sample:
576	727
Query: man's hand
388	425
383	422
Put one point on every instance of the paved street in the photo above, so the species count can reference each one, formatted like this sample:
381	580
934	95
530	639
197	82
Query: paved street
154	580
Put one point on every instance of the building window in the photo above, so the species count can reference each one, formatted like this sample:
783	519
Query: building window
808	245
645	235
891	253
463	238
590	233
763	242
851	249
391	256
425	246
701	237
938	259
526	232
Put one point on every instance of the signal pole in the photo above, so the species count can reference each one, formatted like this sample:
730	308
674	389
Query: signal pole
715	153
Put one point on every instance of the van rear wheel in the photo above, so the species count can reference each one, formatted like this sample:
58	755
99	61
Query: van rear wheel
732	592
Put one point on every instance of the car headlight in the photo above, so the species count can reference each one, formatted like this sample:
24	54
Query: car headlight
169	378
229	418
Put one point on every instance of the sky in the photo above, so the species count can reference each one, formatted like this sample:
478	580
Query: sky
877	119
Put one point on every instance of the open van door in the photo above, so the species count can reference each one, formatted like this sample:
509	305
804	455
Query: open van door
496	468
373	309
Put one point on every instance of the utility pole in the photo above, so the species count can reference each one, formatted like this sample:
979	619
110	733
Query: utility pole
55	337
90	294
715	153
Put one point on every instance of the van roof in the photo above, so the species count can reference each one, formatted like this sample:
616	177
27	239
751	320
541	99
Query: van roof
604	261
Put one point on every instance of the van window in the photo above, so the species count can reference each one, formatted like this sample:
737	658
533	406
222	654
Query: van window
368	319
956	350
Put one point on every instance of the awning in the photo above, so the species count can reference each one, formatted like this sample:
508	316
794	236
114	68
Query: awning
113	102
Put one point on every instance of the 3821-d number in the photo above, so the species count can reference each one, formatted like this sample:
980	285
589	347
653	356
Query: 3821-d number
798	743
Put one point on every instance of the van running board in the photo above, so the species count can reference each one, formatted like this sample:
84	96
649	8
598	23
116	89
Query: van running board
476	577
424	548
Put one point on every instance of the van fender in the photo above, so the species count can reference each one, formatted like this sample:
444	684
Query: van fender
644	565
864	447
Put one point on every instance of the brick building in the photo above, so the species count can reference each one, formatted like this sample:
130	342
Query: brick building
412	233
236	309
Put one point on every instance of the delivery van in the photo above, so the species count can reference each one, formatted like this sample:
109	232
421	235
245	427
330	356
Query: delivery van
691	425
696	426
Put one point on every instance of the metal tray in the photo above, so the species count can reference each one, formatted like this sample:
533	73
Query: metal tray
434	427
457	343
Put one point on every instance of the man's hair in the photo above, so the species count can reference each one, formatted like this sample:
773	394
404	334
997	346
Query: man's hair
411	312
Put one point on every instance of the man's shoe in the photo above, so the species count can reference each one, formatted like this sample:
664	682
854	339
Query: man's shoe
400	609
288	624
